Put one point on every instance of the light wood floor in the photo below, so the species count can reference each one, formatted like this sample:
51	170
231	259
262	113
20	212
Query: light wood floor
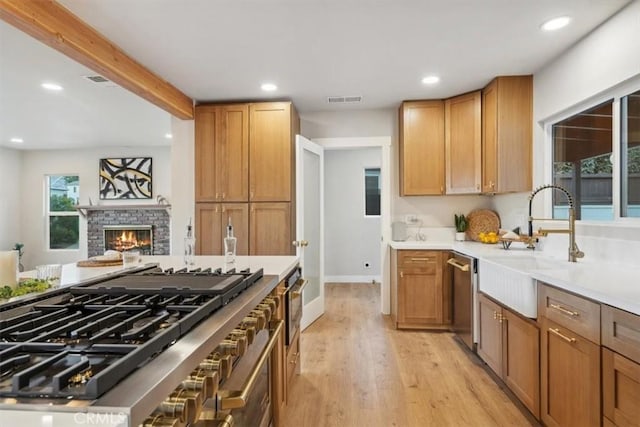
358	371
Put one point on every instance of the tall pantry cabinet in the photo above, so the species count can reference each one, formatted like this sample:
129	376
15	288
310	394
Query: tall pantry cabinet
244	165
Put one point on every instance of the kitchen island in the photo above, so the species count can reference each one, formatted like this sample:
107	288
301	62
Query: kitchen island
138	395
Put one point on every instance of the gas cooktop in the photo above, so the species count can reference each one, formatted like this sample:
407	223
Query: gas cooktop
96	335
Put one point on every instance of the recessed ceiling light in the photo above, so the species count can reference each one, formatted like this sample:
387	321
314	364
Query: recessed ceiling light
268	87
430	80
556	23
17	140
168	135
52	86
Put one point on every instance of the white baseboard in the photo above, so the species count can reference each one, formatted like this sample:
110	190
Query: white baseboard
351	279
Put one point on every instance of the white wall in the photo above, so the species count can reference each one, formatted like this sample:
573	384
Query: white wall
605	58
350	238
10	207
85	164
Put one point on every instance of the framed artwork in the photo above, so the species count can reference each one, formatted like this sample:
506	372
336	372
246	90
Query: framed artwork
125	178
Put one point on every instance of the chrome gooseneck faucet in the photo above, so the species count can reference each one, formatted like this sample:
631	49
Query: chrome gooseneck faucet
574	251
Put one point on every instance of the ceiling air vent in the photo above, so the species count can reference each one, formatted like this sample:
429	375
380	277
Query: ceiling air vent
97	79
344	99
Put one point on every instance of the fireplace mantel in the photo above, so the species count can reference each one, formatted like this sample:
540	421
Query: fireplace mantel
83	209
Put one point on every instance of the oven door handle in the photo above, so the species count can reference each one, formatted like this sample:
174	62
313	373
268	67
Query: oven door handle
234	399
300	288
457	264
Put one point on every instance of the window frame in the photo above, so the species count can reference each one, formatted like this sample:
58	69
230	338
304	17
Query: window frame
364	189
48	213
615	94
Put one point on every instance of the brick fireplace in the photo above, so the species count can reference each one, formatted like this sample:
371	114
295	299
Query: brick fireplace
156	222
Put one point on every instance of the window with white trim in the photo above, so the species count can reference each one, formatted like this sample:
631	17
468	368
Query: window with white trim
63	221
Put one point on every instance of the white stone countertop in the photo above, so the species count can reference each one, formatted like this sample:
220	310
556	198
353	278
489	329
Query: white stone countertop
610	283
271	265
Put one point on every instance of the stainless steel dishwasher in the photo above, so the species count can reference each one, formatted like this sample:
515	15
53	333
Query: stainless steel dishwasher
464	278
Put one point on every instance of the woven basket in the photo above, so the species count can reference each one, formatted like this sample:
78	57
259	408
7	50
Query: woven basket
482	221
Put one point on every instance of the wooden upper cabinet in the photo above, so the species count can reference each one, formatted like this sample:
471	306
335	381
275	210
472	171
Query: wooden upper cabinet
463	143
271	146
422	158
205	137
222	153
507	134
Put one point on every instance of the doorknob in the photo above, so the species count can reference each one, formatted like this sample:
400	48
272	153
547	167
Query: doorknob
300	243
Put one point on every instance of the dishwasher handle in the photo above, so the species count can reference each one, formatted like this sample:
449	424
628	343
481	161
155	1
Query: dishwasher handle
457	264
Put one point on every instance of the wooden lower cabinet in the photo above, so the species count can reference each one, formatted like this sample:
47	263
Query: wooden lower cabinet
620	389
509	345
211	224
279	362
570	377
270	230
293	358
420	298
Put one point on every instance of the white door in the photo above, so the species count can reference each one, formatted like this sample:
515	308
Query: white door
310	225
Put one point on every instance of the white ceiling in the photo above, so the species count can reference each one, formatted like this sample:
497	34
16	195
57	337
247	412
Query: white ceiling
217	50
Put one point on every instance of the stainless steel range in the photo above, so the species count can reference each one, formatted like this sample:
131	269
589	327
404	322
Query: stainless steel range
147	348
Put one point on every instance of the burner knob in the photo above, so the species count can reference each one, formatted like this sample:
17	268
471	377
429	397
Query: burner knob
266	309
250	331
233	347
260	319
160	420
218	362
203	381
273	303
242	338
182	404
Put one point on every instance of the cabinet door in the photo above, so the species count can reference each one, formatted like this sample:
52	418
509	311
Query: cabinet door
422	148
239	214
620	389
420	291
208	229
270	152
232	153
507	134
463	143
570	380
205	137
521	359
270	229
490	337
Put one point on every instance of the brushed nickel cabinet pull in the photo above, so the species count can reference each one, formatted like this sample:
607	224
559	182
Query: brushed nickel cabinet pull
557	332
563	310
233	399
458	265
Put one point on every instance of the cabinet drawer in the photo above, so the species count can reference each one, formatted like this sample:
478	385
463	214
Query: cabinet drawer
621	332
620	389
573	312
428	260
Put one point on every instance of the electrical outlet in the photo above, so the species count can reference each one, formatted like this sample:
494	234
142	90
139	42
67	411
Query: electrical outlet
411	219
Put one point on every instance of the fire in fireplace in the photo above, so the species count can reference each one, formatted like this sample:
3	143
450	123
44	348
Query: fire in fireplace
128	238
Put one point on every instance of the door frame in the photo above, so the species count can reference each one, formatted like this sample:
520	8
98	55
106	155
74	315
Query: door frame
384	142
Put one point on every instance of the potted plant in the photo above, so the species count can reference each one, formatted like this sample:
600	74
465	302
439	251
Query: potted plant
461	227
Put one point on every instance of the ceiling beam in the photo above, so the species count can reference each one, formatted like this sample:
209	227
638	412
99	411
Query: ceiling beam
52	24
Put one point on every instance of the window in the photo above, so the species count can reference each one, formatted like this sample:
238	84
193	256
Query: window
63	222
582	163
630	155
372	192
